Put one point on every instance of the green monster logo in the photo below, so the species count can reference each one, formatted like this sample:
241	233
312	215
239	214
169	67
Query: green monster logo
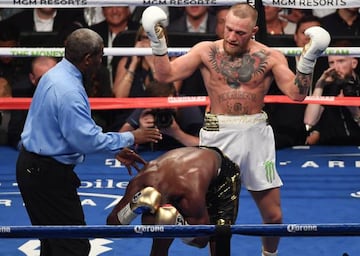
269	171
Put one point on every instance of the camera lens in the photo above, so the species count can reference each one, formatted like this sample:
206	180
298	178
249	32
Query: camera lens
163	117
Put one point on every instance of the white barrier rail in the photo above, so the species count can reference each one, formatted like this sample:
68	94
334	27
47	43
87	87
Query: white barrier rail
173	51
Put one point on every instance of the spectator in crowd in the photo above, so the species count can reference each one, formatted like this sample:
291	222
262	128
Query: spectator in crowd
5	92
196	19
133	75
11	68
45	20
220	13
8	12
117	20
322	12
136	12
58	132
179	126
335	125
294	15
93	15
343	22
287	121
276	24
26	88
98	85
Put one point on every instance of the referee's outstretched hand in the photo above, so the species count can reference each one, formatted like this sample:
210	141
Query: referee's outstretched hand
144	135
130	159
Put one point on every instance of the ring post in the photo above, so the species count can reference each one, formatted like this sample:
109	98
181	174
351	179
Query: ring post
222	239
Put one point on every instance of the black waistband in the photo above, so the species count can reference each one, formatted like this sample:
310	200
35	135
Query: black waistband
48	159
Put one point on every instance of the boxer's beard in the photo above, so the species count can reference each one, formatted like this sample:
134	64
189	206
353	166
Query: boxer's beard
235	52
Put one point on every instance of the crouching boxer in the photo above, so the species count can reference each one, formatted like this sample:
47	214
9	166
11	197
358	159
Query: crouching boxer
190	185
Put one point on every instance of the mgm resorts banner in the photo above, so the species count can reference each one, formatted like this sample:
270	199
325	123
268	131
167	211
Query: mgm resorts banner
302	4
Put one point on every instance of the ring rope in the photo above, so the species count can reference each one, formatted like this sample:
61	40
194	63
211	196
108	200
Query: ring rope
309	4
172	51
187	101
131	231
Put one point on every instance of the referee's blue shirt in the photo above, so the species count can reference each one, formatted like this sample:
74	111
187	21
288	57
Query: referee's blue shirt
59	122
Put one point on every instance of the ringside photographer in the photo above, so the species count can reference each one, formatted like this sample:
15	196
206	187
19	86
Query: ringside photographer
335	125
179	126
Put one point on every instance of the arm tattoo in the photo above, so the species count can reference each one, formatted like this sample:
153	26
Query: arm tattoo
239	69
303	82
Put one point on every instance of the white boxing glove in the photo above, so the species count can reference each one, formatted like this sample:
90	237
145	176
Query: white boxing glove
319	41
154	20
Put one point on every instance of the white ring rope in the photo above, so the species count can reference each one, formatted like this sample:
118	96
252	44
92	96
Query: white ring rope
301	4
173	51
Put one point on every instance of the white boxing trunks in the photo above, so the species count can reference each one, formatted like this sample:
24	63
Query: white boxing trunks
248	141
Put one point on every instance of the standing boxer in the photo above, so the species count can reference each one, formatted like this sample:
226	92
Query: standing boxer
237	72
198	186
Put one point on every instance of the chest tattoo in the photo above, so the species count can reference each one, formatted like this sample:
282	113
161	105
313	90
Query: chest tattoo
240	69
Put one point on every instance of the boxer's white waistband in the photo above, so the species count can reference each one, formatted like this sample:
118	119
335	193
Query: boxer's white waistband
214	122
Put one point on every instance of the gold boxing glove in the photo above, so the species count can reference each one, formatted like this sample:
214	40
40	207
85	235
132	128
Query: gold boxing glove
146	200
168	215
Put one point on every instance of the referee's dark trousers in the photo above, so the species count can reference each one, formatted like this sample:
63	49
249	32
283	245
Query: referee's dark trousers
49	191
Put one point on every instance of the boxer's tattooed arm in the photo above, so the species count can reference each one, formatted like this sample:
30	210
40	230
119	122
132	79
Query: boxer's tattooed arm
303	82
238	69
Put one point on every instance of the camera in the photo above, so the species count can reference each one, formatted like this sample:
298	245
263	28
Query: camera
348	85
351	87
163	117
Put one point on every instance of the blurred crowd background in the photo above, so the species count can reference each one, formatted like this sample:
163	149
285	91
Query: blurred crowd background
123	76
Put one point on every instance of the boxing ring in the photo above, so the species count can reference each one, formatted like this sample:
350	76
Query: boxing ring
320	200
342	227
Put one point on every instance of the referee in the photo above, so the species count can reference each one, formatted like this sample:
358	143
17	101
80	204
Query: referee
58	132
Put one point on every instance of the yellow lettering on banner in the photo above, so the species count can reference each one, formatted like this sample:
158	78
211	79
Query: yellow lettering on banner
47	53
337	52
19	53
293	52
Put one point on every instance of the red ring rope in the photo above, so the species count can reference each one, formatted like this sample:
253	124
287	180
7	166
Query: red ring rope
159	102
